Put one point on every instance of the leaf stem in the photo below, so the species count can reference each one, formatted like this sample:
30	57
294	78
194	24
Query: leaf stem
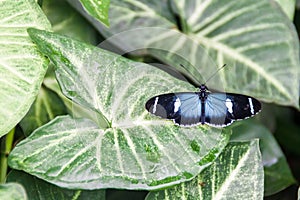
6	145
184	25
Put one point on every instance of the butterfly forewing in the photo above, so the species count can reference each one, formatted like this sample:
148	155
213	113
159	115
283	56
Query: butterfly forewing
242	106
184	108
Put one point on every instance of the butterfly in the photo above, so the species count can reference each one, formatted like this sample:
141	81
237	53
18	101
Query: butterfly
203	107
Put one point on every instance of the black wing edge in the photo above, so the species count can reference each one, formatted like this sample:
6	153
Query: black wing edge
162	106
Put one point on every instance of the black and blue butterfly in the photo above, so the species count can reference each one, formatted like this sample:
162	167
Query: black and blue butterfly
203	107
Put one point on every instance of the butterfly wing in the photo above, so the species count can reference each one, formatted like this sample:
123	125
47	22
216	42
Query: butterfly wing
216	110
221	109
243	106
183	108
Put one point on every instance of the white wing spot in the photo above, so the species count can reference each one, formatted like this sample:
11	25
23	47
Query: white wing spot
229	105
177	104
155	104
251	106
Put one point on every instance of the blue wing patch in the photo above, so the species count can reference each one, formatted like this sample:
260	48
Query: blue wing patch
217	108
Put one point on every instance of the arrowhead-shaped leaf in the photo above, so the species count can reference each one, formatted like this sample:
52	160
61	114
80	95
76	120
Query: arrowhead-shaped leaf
236	174
130	148
22	67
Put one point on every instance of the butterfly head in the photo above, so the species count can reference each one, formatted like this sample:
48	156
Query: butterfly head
203	88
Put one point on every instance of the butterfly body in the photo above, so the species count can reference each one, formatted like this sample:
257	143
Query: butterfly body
203	107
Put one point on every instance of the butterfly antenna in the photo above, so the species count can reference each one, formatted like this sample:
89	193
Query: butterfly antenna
214	74
211	75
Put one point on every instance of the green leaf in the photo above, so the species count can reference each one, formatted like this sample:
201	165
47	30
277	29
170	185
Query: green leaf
22	67
133	150
12	191
97	9
236	174
45	108
257	42
278	175
38	189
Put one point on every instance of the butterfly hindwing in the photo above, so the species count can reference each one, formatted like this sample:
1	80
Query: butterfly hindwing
184	108
216	110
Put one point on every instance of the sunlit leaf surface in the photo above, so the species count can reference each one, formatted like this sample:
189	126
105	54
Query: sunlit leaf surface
22	67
